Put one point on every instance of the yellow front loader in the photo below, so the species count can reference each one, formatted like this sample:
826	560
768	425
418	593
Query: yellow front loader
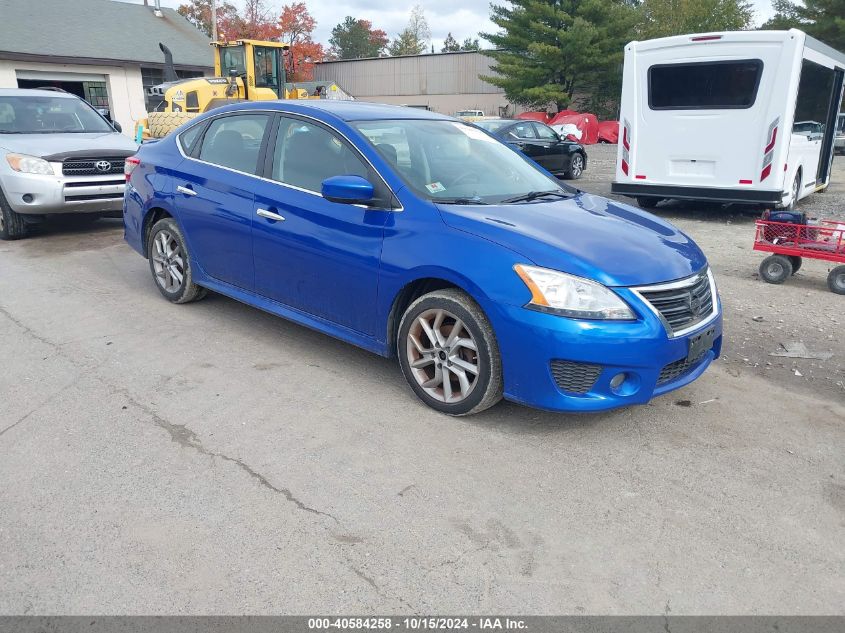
244	70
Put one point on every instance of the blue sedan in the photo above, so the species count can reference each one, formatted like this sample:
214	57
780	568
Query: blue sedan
418	236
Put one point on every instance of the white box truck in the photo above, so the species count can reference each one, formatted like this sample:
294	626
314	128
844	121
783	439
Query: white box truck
740	117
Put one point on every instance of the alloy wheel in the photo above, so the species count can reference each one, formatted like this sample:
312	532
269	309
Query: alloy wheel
168	262
443	356
577	165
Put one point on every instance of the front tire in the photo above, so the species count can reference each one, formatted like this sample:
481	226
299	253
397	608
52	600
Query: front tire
448	353
776	269
170	263
12	225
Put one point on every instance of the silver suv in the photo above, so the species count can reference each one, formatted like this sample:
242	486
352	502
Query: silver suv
57	155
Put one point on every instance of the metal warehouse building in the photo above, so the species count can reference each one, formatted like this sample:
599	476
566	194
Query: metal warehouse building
443	82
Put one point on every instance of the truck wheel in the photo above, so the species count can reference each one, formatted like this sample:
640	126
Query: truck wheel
796	263
647	202
796	190
776	269
836	280
448	353
12	225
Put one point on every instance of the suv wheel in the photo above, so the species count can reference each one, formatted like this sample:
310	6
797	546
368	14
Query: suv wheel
448	353
170	263
12	225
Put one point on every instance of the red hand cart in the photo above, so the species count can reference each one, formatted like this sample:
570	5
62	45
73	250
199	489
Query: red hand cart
790	243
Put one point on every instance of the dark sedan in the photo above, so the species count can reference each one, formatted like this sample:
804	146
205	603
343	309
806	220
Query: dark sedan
541	143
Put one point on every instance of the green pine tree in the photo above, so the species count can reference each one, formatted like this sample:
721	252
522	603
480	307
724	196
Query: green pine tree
450	44
661	18
547	50
823	19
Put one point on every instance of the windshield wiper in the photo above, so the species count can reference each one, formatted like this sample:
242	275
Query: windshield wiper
534	195
459	201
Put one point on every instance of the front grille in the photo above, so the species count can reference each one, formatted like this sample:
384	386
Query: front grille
684	306
678	368
575	377
88	166
95	183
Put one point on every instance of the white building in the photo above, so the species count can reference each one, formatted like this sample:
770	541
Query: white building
102	50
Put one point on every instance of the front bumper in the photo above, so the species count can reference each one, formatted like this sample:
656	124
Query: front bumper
37	194
651	360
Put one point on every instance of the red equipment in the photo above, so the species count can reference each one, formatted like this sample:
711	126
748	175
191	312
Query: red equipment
790	242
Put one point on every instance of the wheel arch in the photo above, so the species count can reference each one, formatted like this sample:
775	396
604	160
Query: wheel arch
153	215
416	288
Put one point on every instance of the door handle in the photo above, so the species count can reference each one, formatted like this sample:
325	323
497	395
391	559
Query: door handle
264	213
186	190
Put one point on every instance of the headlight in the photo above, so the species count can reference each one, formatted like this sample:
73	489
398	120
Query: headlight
29	164
570	296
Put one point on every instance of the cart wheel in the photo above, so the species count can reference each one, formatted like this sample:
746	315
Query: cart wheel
776	269
796	263
836	280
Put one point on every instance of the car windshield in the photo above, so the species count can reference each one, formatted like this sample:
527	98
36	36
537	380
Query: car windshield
48	115
493	126
451	162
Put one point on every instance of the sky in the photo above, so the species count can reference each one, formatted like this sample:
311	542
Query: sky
463	19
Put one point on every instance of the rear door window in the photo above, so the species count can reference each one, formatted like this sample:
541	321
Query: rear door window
235	141
718	85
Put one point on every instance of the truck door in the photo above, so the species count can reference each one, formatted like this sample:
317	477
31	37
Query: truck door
812	130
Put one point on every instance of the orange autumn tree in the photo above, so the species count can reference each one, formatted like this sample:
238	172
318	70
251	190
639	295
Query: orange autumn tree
296	26
255	22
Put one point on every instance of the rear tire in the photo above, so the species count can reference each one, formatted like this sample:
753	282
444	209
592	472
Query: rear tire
432	354
796	191
576	168
170	264
776	269
796	263
647	202
12	225
836	280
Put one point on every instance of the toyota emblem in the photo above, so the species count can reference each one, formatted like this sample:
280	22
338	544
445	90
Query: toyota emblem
103	165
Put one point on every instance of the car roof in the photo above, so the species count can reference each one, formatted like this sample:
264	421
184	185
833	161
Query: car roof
34	92
343	110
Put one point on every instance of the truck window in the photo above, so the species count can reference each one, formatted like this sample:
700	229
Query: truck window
704	85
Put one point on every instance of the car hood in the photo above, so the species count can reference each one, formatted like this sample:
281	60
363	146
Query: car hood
589	236
57	147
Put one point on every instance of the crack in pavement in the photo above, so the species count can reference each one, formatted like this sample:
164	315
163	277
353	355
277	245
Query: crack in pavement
179	433
185	437
375	586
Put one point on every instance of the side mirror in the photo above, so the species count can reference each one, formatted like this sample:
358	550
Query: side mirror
347	189
117	127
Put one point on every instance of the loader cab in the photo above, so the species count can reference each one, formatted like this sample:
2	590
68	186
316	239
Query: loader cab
260	65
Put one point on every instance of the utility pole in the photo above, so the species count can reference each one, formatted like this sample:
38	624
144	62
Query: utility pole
213	20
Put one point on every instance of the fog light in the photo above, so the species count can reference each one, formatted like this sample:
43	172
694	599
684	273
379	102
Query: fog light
27	197
625	384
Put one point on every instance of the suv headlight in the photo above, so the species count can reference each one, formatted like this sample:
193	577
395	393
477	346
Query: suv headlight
29	164
570	296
